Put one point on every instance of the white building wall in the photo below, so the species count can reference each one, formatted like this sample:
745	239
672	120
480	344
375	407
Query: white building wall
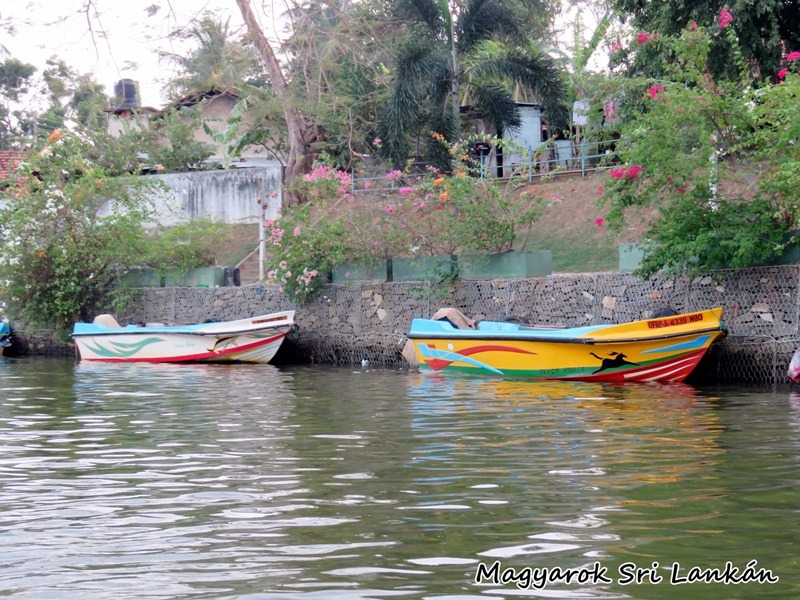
528	136
230	196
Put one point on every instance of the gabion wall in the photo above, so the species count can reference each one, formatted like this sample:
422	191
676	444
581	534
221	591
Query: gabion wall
369	321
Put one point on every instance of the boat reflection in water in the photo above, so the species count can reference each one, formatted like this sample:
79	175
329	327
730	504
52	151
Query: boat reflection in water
607	426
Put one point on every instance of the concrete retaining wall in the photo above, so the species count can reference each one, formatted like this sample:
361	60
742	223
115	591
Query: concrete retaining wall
352	322
229	196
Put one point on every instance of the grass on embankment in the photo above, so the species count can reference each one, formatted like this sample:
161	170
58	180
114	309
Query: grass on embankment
567	228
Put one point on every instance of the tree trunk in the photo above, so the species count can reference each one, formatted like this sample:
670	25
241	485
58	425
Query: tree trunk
301	133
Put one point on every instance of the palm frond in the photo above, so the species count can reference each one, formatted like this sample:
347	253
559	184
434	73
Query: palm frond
433	13
445	121
494	102
538	73
421	69
584	51
487	19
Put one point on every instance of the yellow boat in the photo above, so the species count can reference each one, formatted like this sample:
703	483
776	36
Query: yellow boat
657	349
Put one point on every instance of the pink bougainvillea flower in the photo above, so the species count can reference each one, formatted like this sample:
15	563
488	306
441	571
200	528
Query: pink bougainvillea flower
392	175
634	171
599	221
646	38
367	185
390	209
617	173
377	142
681	190
631	172
725	17
405	191
782	73
600	190
694	26
347	275
793	56
654	90
296	231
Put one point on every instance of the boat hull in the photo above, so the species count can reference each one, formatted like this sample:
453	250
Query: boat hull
5	336
665	349
253	340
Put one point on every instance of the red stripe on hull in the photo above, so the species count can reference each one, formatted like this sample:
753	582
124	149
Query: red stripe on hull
437	364
204	357
673	370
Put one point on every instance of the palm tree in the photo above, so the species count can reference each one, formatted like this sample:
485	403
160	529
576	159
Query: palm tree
217	63
470	50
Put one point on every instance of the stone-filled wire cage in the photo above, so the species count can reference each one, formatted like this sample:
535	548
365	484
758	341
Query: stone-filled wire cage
369	321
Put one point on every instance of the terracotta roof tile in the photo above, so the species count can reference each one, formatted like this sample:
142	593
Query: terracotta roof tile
9	159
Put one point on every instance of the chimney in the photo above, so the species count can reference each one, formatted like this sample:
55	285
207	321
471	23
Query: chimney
126	95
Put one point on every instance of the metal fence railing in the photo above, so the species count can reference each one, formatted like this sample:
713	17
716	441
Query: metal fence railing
554	157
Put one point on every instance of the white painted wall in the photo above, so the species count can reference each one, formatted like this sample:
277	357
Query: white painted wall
230	196
528	136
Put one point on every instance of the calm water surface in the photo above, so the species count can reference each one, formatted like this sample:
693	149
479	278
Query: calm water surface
157	481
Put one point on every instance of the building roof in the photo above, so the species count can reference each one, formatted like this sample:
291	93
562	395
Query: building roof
9	159
141	109
197	97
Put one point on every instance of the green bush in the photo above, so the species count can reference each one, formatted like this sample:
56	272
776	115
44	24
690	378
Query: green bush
719	159
73	222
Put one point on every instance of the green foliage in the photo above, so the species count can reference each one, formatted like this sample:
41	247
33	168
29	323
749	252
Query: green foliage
693	236
184	246
218	62
72	223
764	29
446	61
72	97
305	245
719	159
67	227
338	73
440	214
411	216
230	136
15	81
181	152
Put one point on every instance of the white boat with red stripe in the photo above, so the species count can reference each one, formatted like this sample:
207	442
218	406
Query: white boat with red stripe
252	340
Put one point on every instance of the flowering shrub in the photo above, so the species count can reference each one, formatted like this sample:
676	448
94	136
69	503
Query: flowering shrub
720	160
423	215
654	90
643	39
323	182
452	214
308	240
73	222
632	173
304	246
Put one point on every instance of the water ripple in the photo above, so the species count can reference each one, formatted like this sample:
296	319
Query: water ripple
251	482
